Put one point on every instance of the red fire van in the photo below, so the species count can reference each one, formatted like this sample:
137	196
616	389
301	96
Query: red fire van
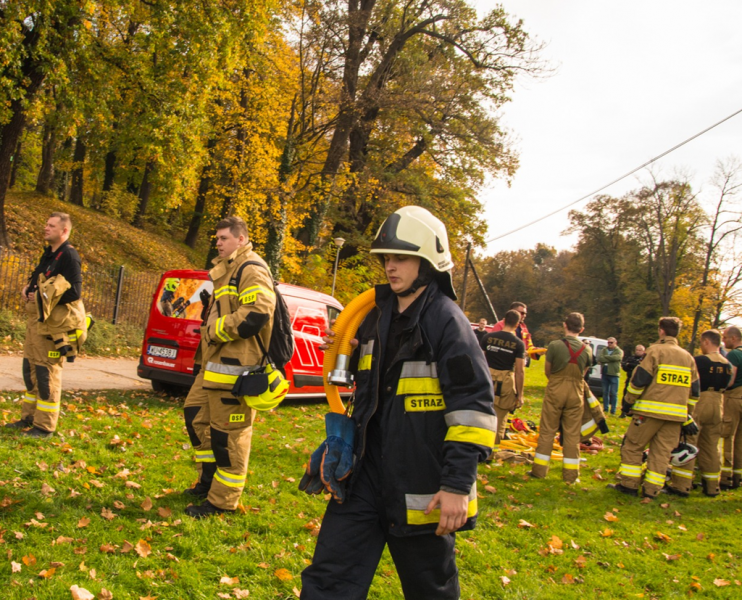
171	337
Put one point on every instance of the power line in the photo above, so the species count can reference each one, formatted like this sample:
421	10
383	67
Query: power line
607	185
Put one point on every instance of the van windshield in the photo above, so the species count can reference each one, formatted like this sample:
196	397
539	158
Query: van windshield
180	298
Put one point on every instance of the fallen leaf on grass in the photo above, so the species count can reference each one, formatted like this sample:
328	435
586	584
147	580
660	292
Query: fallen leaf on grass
524	524
119	505
63	540
229	580
283	574
580	562
147	504
108	548
223	595
105	594
663	537
606	532
47	573
720	582
84	522
15	567
79	593
264	565
107	514
555	543
504	580
143	549
126	547
164	512
238	593
609	516
669	557
133	485
568	579
29	560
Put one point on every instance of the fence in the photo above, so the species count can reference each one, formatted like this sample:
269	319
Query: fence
113	294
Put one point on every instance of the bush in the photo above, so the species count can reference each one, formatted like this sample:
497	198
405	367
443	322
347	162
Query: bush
106	339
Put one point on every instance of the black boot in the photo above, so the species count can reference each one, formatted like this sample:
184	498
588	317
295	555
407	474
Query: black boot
206	509
709	488
22	424
674	492
38	433
201	489
623	489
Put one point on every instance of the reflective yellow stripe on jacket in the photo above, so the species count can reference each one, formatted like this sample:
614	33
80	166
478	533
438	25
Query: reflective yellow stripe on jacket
661	408
225	290
250	295
418	377
219	373
366	356
471	426
417	503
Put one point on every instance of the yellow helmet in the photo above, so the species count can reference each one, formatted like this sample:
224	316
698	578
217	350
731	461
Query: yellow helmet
414	231
274	394
171	284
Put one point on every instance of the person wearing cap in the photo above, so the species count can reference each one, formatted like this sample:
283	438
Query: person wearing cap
714	372
566	362
657	399
422	419
235	336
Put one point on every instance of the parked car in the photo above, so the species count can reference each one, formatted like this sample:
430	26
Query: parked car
593	378
172	334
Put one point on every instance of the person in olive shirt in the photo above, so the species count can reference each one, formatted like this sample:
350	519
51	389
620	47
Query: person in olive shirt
731	426
610	360
505	353
566	362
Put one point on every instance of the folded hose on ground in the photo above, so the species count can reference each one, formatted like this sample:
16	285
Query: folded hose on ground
337	357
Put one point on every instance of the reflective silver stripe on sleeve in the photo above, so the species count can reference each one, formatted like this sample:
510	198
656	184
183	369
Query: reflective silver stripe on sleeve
471	418
418	368
421	501
229	369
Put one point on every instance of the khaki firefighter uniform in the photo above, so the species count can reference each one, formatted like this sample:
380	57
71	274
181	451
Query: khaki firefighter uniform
714	372
219	424
592	414
66	324
506	400
563	407
731	425
659	391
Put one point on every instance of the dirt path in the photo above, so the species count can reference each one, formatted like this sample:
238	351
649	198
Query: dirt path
83	374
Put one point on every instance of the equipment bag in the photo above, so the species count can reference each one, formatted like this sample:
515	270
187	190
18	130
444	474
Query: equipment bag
282	337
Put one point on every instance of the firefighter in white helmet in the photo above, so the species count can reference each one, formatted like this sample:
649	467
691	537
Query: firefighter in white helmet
422	419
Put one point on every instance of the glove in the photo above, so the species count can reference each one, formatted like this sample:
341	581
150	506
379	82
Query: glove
205	297
626	408
690	427
331	463
603	426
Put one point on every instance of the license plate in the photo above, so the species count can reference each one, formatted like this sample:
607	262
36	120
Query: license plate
162	351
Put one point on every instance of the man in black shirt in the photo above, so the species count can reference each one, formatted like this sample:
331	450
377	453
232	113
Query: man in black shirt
505	353
481	331
42	362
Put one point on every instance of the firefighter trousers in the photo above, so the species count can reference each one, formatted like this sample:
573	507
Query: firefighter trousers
220	430
731	431
351	542
42	376
506	400
707	415
562	409
661	437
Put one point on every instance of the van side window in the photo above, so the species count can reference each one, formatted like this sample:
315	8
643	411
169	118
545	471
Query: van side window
332	314
181	298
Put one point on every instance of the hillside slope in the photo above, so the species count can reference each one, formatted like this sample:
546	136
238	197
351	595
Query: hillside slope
101	240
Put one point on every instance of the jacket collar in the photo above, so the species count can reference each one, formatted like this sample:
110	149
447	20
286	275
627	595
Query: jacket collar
385	300
669	340
223	265
48	250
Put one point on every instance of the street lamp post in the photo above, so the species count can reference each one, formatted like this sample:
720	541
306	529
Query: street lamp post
339	243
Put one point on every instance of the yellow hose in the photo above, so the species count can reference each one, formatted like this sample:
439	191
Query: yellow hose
345	329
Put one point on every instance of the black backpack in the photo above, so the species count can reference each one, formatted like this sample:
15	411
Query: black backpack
282	336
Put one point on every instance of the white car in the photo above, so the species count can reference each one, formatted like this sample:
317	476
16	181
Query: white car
593	375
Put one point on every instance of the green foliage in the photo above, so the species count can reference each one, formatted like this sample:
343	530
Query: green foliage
106	339
118	449
119	203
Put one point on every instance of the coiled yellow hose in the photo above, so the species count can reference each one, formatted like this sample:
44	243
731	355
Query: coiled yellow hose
345	329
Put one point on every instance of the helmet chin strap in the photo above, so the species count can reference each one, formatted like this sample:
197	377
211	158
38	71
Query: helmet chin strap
424	277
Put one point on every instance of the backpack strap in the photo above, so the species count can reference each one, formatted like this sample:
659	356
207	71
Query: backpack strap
573	356
235	281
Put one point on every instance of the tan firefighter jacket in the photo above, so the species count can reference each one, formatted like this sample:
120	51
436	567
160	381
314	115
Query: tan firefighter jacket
664	382
592	414
238	312
55	318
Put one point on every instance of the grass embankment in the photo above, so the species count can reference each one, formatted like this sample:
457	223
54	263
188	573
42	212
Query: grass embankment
76	511
102	241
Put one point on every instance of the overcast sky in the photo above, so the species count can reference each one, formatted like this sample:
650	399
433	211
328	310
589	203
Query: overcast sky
633	78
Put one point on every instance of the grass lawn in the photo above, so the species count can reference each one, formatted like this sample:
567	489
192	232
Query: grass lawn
100	507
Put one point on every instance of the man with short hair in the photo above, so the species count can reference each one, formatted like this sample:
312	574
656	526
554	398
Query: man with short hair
481	329
522	330
505	354
235	336
42	360
610	367
714	372
657	398
731	427
566	362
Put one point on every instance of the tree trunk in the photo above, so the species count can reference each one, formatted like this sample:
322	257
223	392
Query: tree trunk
16	163
78	159
46	172
9	135
225	212
144	191
203	189
109	171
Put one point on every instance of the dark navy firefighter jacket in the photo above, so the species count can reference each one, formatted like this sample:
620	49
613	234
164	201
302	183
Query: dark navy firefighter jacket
437	420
